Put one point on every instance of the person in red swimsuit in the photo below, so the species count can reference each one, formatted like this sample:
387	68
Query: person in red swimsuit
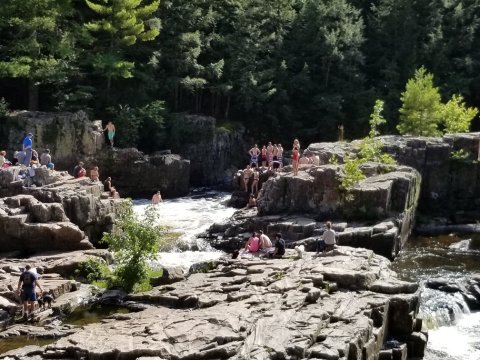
295	157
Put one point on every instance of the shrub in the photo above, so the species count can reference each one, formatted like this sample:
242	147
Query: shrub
134	241
456	116
92	270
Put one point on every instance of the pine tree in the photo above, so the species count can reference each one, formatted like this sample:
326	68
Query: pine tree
420	113
119	25
35	45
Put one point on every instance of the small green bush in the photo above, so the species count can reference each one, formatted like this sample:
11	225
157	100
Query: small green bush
94	269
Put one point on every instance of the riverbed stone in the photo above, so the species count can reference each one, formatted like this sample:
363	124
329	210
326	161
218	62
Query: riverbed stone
222	314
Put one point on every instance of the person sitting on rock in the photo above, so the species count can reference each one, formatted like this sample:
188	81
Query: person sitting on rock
253	244
28	281
94	174
252	202
279	246
46	159
327	241
79	171
107	186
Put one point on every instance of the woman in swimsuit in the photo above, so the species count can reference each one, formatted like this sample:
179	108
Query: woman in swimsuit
295	157
296	144
256	178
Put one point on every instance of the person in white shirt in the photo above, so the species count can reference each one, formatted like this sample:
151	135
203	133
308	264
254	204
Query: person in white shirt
327	241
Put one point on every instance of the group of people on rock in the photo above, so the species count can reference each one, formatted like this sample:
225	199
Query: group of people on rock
261	243
27	156
269	156
79	171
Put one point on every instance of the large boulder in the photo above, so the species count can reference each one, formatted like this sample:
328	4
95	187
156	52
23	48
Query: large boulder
448	165
31	226
135	174
69	136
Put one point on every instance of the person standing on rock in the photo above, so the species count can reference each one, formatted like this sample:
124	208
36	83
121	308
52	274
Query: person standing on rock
256	179
280	155
270	155
27	148
247	173
264	156
110	128
156	198
295	158
28	281
327	241
254	153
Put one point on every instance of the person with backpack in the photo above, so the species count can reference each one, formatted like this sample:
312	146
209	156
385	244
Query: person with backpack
28	281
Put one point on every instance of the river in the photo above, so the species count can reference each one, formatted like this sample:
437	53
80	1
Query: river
453	330
190	216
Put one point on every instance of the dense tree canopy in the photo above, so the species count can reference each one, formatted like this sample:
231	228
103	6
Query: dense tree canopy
282	68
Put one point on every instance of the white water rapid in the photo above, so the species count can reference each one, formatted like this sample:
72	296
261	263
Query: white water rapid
190	216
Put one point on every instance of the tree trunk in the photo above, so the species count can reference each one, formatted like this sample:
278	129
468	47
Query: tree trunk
32	95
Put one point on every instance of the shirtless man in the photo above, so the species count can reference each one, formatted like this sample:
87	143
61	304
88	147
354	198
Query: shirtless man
111	132
256	178
264	156
254	153
270	154
94	174
156	198
280	155
247	173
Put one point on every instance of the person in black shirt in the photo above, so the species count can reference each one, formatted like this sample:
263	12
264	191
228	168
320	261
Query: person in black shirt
279	246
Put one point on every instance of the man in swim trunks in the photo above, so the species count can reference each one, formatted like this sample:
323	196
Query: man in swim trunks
280	155
156	198
270	155
254	152
111	132
264	156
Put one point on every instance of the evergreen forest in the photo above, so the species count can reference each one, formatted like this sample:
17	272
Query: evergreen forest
281	68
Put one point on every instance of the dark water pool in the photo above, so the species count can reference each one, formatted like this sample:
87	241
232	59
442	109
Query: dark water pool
92	314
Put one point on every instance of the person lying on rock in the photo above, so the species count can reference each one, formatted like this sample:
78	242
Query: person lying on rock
253	244
28	281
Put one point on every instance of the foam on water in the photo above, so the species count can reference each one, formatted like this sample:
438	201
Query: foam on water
456	342
190	216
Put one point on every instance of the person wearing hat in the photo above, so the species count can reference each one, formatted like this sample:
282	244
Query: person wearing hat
28	281
27	147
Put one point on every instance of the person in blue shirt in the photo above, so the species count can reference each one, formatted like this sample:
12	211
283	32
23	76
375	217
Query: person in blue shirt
27	282
28	147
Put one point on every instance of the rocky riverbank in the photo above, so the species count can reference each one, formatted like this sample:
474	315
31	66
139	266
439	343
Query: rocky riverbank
346	304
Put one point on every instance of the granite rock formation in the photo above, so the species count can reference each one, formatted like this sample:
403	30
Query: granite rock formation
215	152
80	206
135	174
69	136
341	306
449	167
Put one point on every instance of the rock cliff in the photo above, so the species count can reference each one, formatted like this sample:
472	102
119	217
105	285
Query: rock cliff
342	306
449	167
56	212
214	152
69	136
136	174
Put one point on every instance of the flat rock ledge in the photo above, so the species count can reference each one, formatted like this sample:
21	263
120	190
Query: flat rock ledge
343	305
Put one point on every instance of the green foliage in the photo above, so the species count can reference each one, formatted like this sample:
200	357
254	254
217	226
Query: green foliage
370	150
141	127
134	241
421	110
457	116
93	270
459	155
